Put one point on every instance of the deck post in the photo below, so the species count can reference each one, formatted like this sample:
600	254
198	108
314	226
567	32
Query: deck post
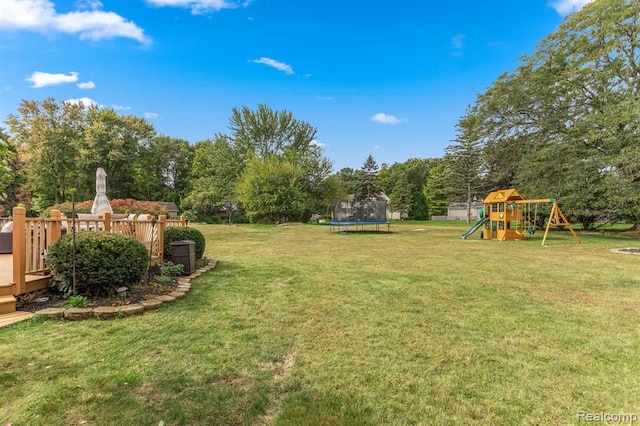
54	227
106	217
19	249
162	224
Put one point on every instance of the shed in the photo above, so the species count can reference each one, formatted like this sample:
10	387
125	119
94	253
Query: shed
172	208
458	211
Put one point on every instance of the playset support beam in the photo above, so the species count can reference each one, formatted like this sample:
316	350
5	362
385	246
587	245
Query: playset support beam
557	218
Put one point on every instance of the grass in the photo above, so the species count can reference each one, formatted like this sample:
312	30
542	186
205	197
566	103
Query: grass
299	326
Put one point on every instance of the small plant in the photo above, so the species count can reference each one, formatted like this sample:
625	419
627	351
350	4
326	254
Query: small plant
163	279
76	302
170	269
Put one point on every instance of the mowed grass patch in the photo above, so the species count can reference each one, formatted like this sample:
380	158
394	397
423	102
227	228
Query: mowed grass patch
297	325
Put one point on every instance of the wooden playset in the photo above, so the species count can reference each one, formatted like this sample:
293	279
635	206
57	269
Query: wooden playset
508	216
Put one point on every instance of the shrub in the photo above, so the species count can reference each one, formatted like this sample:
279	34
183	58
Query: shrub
67	208
118	205
175	233
169	269
104	262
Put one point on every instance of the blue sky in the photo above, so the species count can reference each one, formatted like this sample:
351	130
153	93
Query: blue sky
379	77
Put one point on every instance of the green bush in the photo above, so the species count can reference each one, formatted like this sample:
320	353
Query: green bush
104	262
169	269
175	233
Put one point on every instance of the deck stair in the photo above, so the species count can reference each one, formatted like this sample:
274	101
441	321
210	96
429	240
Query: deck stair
7	300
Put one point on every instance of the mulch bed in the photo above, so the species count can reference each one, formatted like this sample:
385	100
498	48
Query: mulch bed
48	298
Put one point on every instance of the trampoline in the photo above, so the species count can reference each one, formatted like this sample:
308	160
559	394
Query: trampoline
359	215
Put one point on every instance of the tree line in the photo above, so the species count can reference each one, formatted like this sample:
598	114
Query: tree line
268	165
564	124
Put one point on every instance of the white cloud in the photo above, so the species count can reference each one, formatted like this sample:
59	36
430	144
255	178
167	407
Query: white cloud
324	98
383	118
151	115
457	45
41	16
567	7
199	7
86	102
89	4
8	87
281	66
457	41
43	79
120	107
86	86
318	144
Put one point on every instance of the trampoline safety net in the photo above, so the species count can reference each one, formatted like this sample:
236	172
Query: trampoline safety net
360	211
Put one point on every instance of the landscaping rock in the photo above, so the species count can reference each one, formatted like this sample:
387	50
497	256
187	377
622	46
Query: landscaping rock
105	312
177	294
151	304
53	313
166	298
131	309
73	314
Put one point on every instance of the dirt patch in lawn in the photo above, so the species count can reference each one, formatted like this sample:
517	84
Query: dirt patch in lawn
628	250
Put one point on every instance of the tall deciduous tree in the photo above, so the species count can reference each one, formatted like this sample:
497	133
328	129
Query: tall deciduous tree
271	189
165	169
565	124
48	136
5	169
267	133
348	178
215	171
114	142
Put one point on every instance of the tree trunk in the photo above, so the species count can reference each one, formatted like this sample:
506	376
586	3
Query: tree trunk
468	202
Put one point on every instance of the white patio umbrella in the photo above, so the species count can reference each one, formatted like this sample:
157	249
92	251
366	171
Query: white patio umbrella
101	202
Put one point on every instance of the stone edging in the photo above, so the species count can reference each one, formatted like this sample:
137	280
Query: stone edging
108	312
628	250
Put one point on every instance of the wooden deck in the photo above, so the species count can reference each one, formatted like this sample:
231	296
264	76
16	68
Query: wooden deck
32	281
6	277
14	317
6	268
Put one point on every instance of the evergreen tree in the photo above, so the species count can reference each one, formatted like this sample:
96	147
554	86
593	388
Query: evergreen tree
368	186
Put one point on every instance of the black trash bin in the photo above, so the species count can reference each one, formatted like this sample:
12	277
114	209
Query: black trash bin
184	253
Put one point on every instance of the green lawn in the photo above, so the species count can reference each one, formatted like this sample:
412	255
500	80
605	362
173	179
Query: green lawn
300	326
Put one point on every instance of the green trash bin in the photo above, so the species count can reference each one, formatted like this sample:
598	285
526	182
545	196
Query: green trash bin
184	253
